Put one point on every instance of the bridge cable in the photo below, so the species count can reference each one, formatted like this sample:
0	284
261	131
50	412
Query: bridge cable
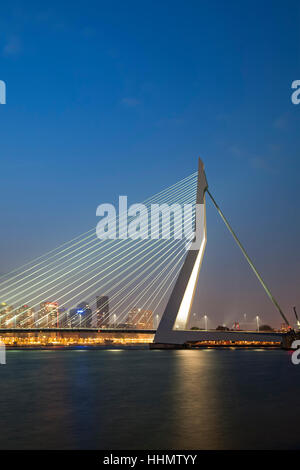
248	259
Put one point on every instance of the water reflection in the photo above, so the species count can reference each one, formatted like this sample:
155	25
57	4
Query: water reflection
198	406
210	399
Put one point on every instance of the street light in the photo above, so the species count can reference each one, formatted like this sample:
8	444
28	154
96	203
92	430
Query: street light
205	319
157	320
257	322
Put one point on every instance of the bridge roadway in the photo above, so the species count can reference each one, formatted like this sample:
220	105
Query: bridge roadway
75	330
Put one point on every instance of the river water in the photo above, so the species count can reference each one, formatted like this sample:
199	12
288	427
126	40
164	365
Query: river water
140	399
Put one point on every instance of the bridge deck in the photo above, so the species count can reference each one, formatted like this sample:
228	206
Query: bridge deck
75	330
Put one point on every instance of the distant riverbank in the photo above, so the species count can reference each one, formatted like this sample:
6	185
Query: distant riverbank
97	347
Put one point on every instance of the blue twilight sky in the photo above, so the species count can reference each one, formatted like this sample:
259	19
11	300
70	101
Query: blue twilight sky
109	98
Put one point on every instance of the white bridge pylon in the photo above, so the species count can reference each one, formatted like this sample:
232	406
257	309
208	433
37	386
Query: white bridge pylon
172	329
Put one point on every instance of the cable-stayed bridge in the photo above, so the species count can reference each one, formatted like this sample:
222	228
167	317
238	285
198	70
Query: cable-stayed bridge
130	273
121	284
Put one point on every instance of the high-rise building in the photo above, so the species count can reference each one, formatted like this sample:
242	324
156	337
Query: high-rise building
25	317
84	315
48	315
102	311
7	316
140	319
81	316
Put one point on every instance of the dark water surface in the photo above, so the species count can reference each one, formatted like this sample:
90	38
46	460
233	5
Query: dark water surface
140	399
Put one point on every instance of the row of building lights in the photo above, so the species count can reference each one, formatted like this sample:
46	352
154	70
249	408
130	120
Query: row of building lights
50	315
